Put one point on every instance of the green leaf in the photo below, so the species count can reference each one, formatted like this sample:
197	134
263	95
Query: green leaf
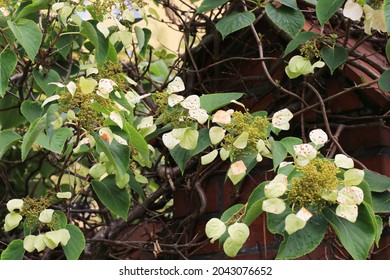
8	61
138	141
279	152
381	202
14	251
35	6
289	3
388	49
234	22
117	154
334	57
298	40
286	18
181	156
208	5
289	143
159	70
275	222
357	238
386	5
211	102
379	229
377	182
28	35
8	37
76	243
257	194
97	39
43	80
59	220
325	9
59	138
32	134
384	81
10	116
115	199
253	211
230	211
31	110
304	240
7	139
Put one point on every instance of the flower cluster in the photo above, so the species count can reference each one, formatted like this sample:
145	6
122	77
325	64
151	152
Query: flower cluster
317	185
374	18
299	65
18	209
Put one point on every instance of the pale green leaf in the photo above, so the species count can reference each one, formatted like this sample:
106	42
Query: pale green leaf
234	22
28	35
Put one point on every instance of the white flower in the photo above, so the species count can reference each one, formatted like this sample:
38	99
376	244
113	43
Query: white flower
299	65
191	102
277	187
65	195
177	85
105	87
348	199
353	10
214	229
374	19
318	136
222	117
342	161
12	220
281	119
46	216
14	204
304	153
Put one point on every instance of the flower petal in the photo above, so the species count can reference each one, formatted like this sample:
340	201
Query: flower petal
231	248
208	158
14	204
28	243
199	114
353	10
241	141
174	99
222	117
214	229
349	212
293	223
216	134
191	102
318	136
46	216
274	205
281	119
350	196
12	220
177	85
65	195
342	161
239	232
353	177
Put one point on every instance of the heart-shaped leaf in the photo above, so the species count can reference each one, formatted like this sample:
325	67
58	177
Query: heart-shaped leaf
334	57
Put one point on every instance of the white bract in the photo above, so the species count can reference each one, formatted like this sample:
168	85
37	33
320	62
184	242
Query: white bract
353	10
216	134
56	237
28	243
299	65
281	119
237	171
277	187
214	229
208	158
12	220
222	117
239	232
274	205
342	161
348	199
177	85
304	153
46	216
295	222
374	19
106	134
105	87
318	136
14	204
231	248
64	195
191	102
353	177
199	114
241	141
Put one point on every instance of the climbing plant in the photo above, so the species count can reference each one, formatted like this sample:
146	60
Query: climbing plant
98	128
